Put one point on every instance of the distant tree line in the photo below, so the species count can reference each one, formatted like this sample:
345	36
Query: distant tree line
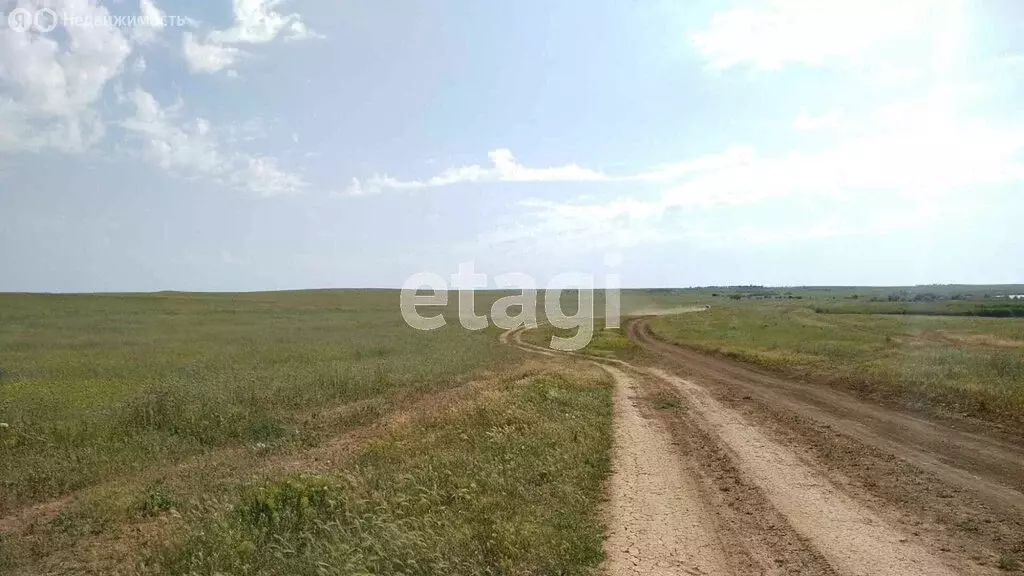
759	296
925	308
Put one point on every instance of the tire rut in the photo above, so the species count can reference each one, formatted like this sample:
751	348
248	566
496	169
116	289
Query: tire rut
953	487
656	512
767	506
852	538
990	467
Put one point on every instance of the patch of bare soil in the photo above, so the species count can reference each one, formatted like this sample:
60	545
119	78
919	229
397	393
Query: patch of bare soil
656	513
847	533
950	488
36	513
760	539
963	454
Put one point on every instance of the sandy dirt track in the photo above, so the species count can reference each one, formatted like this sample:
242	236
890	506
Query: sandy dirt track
656	512
991	467
722	469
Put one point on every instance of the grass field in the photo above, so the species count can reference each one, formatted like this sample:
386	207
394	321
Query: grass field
98	386
272	433
958	365
143	427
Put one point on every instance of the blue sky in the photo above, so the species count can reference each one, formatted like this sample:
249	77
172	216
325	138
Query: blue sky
262	144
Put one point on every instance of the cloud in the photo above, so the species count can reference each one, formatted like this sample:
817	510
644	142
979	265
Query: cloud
51	93
152	22
780	32
49	90
207	58
508	170
504	168
261	174
196	149
255	22
913	166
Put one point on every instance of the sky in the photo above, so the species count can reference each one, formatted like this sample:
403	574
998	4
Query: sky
237	145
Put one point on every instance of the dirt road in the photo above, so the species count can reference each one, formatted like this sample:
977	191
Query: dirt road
656	510
723	469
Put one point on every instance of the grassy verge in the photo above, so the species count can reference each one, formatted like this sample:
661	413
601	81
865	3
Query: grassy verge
507	483
957	365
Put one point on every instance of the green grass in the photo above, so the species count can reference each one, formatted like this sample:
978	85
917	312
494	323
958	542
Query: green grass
102	386
1008	563
960	365
985	308
606	343
180	422
510	484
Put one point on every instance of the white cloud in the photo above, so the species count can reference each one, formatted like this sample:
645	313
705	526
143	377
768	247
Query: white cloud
816	32
208	58
151	25
355	188
195	149
51	86
23	129
50	90
504	168
255	22
261	174
913	166
508	170
170	143
258	22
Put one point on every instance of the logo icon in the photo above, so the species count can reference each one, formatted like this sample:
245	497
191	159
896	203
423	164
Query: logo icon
45	20
22	20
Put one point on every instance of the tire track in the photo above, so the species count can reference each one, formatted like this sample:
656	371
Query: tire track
656	514
991	468
852	538
656	510
954	487
844	534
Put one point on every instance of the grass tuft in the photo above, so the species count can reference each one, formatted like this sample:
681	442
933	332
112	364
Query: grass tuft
1008	563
